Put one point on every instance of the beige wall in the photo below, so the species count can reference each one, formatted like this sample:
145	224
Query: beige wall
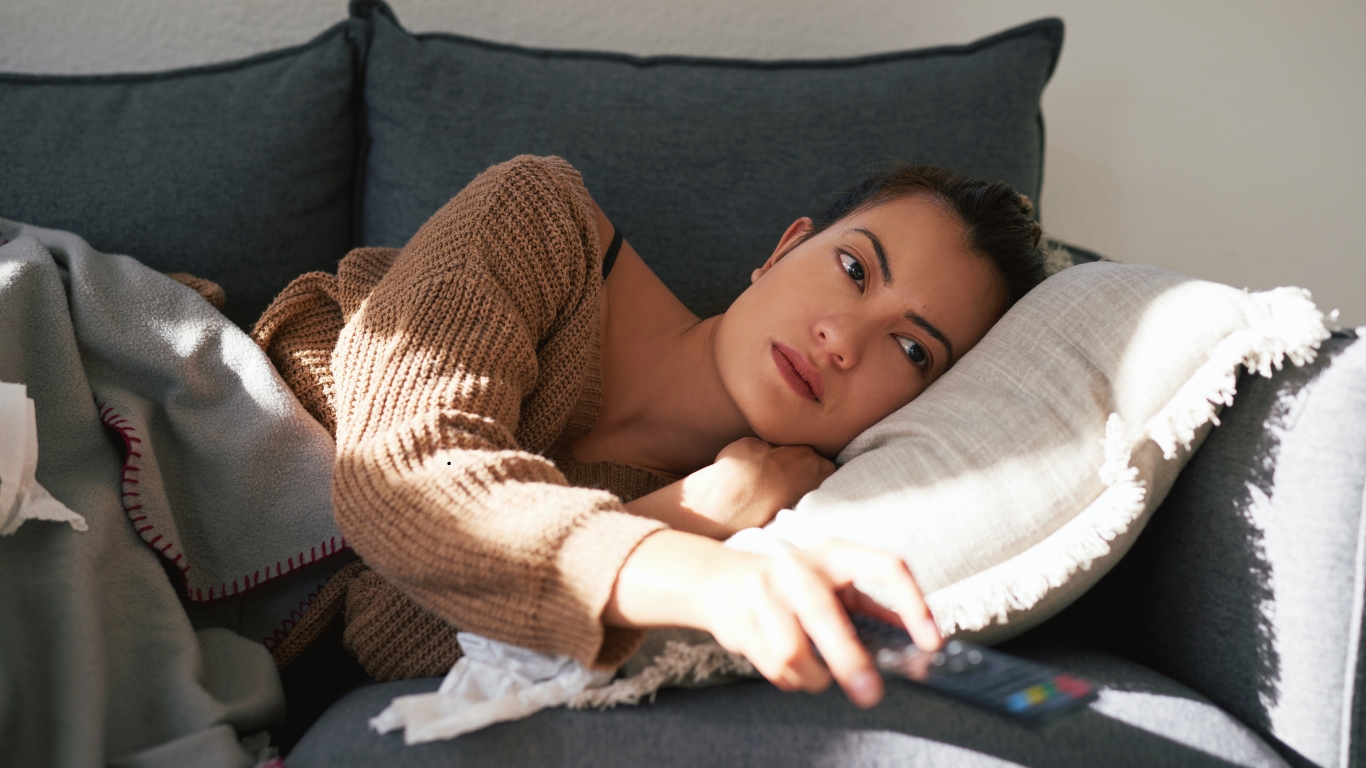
1225	139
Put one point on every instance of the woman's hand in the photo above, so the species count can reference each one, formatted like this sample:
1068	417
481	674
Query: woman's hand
772	610
752	480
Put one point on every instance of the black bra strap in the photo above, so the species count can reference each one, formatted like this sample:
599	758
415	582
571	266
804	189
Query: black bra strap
610	257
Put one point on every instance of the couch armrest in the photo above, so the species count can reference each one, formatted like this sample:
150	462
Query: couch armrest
1249	583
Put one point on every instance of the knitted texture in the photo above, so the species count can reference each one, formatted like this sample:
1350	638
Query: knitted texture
299	330
457	367
318	616
622	480
394	637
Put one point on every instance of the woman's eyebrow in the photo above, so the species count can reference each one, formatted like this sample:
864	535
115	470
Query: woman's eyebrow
935	332
881	254
887	280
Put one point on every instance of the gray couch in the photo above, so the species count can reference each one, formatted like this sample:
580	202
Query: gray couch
1231	634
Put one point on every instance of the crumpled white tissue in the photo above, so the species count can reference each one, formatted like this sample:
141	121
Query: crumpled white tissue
491	683
21	497
494	682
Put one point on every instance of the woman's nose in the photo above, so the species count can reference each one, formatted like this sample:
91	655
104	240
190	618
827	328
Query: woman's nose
838	340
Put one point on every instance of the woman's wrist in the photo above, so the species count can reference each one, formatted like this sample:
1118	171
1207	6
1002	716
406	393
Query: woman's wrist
666	581
667	505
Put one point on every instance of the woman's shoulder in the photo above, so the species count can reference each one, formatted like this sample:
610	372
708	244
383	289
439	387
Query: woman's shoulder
534	175
526	223
520	241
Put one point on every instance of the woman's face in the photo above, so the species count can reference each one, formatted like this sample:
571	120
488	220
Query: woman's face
853	323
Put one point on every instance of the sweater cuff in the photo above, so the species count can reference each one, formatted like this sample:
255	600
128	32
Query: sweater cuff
595	552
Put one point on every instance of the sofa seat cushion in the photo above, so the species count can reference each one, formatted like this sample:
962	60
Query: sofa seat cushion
1140	719
702	163
238	172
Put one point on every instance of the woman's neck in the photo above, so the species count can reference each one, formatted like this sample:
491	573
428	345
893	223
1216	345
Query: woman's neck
664	407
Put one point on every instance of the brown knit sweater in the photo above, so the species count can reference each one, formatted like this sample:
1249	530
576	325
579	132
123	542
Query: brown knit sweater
454	374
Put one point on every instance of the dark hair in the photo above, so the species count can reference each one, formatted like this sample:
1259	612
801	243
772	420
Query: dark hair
997	221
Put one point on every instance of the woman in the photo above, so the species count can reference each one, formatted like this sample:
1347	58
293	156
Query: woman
517	355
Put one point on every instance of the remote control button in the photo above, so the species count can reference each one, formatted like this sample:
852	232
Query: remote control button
1072	686
954	647
974	657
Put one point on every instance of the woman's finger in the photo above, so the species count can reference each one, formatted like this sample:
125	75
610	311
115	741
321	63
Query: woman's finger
857	602
789	652
825	621
825	469
846	563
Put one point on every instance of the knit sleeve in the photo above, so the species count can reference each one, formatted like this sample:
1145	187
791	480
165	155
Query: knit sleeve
466	354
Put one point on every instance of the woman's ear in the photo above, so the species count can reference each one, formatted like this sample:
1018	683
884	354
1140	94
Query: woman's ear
796	232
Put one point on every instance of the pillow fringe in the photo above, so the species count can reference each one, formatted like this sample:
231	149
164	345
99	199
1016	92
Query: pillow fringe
1019	583
1289	326
680	662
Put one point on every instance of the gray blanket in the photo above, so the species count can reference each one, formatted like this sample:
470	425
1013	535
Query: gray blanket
164	426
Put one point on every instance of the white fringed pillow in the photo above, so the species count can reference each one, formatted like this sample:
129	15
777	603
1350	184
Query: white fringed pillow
1021	476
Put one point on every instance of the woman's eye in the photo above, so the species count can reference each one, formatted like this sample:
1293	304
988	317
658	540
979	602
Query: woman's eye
914	351
852	268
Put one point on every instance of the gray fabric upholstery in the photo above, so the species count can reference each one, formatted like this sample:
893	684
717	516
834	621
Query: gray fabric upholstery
239	172
1258	559
1141	719
701	162
1247	585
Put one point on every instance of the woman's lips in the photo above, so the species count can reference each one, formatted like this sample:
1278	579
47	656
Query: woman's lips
798	372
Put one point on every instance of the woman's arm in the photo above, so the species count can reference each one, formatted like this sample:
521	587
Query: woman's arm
450	376
747	485
771	610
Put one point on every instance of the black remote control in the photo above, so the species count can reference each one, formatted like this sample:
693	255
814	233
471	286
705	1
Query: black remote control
1014	687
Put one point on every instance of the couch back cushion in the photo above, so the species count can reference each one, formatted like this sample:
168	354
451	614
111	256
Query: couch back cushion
239	172
702	163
